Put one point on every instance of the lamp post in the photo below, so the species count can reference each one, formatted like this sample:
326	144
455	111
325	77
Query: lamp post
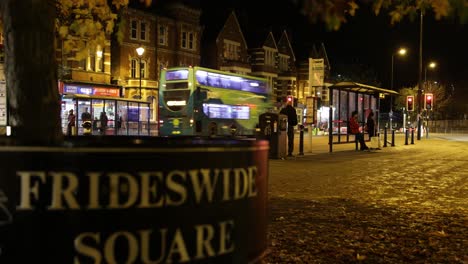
140	52
431	65
401	52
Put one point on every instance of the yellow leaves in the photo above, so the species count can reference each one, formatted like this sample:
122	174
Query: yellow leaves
441	8
439	233
333	12
63	31
360	257
352	7
85	24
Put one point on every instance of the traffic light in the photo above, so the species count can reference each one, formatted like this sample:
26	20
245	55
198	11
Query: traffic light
289	99
410	103
428	101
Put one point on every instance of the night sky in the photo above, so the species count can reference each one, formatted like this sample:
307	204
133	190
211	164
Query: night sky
366	39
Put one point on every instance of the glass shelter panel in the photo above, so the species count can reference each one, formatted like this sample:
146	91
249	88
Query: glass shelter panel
133	118
67	105
144	117
352	103
98	108
122	118
83	114
110	113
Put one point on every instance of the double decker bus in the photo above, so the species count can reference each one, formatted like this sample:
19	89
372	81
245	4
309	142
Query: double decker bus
206	102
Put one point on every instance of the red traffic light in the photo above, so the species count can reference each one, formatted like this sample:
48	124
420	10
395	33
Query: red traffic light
410	103
289	98
429	100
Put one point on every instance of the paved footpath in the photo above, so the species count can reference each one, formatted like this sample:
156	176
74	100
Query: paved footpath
402	204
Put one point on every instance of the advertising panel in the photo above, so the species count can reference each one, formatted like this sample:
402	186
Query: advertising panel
316	72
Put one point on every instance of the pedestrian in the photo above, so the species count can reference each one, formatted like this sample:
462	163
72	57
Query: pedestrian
71	123
370	125
103	122
354	127
290	112
86	122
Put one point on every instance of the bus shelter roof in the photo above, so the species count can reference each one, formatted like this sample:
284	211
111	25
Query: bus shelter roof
361	88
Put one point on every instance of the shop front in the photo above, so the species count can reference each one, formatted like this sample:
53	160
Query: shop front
101	111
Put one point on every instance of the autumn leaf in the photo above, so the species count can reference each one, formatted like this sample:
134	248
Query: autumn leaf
360	257
439	233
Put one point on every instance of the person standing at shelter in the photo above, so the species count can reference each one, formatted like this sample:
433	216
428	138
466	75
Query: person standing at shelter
370	124
86	122
290	112
71	123
103	123
354	127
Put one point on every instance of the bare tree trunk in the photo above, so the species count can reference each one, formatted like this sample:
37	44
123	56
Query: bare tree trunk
31	71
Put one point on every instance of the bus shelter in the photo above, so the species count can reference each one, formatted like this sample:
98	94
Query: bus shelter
108	115
346	97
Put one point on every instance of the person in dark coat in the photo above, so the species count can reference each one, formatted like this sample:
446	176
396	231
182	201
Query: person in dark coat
290	112
370	124
354	127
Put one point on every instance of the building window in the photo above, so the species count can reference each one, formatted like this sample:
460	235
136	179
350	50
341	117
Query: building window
231	50
188	40
138	30
269	57
95	60
143	31
100	60
143	69
133	29
162	35
135	69
184	39
283	63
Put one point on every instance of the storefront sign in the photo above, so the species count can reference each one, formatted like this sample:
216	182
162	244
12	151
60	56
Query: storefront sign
168	202
91	90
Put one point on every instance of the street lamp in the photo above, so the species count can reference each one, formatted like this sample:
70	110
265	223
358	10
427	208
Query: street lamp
431	65
400	52
140	52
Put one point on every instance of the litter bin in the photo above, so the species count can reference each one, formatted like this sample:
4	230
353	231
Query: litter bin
273	127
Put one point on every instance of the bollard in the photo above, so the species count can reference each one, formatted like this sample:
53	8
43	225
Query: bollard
412	135
301	140
385	137
393	138
406	136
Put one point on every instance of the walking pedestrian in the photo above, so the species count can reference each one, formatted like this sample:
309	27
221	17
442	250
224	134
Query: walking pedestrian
354	127
290	112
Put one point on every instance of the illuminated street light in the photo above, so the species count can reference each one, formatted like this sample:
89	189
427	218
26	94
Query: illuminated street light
140	52
400	52
431	65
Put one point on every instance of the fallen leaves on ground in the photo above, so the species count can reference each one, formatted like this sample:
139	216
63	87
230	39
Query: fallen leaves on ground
345	231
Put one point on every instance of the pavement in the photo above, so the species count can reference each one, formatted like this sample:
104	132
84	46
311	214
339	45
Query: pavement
426	180
428	162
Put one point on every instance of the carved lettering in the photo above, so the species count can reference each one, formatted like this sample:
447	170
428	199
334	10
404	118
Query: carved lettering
149	189
149	246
